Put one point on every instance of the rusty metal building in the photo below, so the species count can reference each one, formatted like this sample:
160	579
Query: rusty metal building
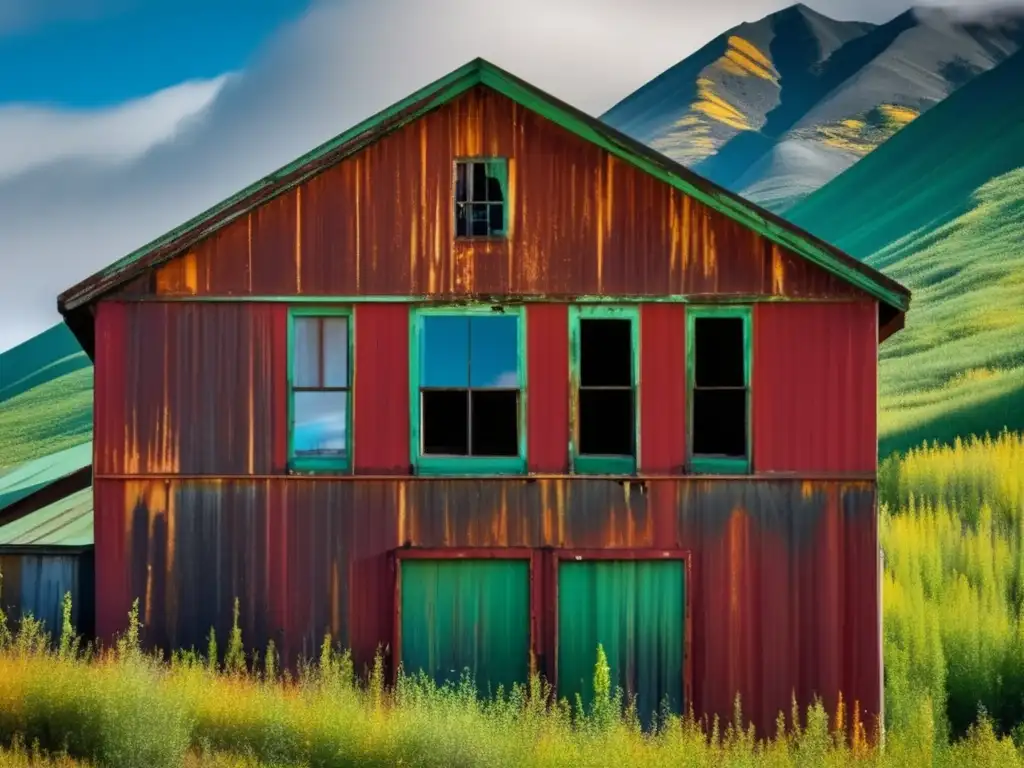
484	382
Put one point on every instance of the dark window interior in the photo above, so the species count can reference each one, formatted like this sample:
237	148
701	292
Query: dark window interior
720	391
470	385
480	198
606	408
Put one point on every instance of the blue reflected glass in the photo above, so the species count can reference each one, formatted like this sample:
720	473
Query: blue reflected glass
320	423
444	353
494	352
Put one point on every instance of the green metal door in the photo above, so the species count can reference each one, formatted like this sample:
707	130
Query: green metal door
459	614
636	610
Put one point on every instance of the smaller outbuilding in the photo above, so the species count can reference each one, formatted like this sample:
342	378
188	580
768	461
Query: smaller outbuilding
46	551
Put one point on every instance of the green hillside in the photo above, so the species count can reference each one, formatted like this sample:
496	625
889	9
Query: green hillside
45	397
940	207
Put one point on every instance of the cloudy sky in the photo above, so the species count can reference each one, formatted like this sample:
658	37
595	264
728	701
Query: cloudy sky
120	119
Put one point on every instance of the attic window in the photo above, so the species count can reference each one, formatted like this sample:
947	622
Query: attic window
719	390
480	198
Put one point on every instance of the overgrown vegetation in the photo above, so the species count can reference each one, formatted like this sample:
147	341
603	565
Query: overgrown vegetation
951	522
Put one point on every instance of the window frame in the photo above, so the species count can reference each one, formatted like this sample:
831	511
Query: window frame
321	464
529	554
701	464
428	465
578	554
488	159
596	464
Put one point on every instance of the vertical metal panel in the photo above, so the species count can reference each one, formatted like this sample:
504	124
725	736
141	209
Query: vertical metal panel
109	395
466	614
381	389
815	387
548	387
189	388
10	587
636	610
580	221
782	581
662	388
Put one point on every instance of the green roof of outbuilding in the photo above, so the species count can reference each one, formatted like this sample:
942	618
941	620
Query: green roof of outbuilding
27	478
65	523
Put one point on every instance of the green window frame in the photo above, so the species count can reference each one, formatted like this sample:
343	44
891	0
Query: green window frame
336	462
438	464
710	463
479	190
602	464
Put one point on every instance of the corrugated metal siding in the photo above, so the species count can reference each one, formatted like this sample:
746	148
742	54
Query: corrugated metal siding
547	367
466	614
581	222
37	584
196	389
815	387
381	431
662	388
636	610
783	575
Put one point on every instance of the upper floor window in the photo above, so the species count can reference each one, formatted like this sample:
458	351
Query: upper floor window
481	208
605	372
320	389
467	398
718	373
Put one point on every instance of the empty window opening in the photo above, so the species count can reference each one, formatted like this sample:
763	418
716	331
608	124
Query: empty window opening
480	191
320	386
469	388
606	399
719	387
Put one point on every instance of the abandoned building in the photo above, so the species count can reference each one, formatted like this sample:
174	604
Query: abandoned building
484	383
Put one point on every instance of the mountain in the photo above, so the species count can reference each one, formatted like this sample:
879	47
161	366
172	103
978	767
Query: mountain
776	108
45	397
940	207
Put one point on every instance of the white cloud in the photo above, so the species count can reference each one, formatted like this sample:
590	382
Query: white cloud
32	136
70	211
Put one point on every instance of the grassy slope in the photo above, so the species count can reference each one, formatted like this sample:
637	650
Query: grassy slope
940	207
45	397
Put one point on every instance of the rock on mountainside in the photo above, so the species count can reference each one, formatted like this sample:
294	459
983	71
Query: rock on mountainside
774	109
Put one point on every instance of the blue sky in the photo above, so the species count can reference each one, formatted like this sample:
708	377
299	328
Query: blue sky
120	119
104	54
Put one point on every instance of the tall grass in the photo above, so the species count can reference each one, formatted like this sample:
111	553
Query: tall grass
954	647
952	521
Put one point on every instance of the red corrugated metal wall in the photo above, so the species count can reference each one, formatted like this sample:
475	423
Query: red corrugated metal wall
815	387
662	388
381	429
547	366
783	588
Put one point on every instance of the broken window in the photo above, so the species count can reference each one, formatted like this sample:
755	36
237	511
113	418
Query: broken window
606	406
480	191
320	386
469	385
719	409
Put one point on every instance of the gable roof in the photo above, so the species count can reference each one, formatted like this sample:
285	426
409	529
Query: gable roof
73	301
